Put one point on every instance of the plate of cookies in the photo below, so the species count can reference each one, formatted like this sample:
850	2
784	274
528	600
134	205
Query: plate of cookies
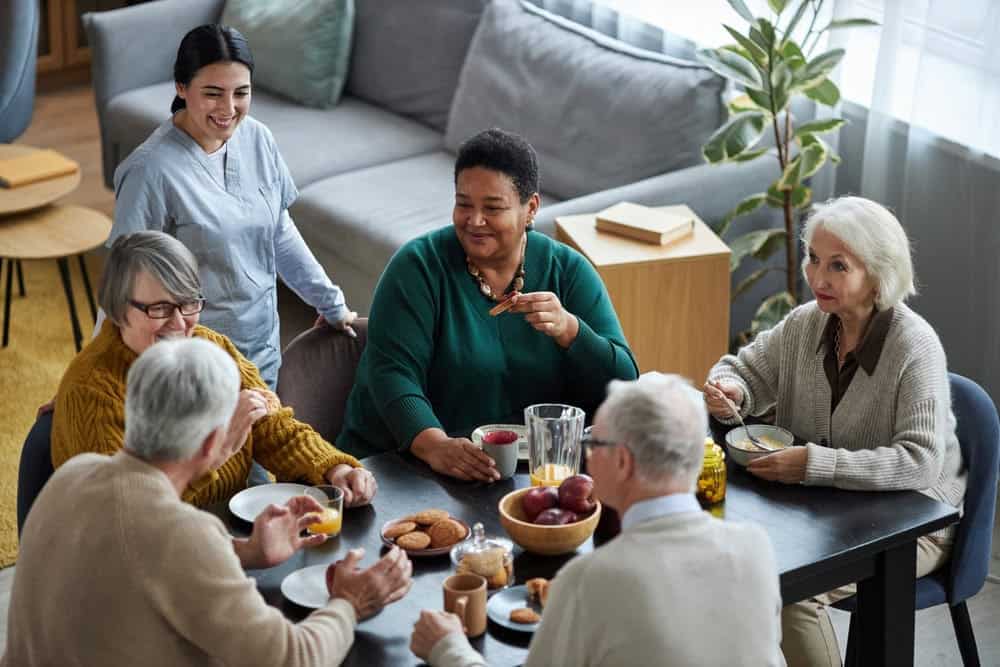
430	532
519	607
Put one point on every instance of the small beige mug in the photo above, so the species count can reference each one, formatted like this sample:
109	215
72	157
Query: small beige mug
465	596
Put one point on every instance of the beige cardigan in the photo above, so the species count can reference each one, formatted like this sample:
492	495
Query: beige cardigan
115	570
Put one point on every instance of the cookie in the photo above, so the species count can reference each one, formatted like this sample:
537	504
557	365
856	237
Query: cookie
416	540
538	589
498	580
445	533
428	517
524	615
485	563
401	528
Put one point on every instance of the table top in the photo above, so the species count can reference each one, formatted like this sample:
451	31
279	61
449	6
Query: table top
52	231
35	195
606	249
814	530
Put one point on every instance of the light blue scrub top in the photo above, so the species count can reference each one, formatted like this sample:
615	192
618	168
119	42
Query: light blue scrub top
239	231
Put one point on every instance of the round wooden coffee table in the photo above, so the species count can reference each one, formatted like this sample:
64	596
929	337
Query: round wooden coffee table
53	232
35	195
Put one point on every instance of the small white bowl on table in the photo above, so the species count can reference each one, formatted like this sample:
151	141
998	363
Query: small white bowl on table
744	456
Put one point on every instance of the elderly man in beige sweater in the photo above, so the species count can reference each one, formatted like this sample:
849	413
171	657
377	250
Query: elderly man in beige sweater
677	586
116	570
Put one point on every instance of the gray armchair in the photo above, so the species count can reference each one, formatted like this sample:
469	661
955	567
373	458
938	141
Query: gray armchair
18	52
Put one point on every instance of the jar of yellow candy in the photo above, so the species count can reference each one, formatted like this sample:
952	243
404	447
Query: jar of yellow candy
712	480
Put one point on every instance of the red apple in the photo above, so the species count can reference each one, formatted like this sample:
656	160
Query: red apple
555	517
575	494
537	500
500	437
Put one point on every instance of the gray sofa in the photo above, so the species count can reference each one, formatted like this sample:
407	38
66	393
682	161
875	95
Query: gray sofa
610	122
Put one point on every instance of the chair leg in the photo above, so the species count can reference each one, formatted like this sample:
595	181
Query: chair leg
963	633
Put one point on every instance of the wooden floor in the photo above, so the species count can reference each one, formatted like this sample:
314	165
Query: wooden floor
66	121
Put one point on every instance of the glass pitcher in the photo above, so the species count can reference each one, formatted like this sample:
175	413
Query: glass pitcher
554	433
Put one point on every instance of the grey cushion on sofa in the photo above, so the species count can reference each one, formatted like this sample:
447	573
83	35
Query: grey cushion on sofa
644	114
315	143
407	54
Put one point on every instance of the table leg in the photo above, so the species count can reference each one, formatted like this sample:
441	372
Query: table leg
886	608
6	302
68	288
86	286
20	278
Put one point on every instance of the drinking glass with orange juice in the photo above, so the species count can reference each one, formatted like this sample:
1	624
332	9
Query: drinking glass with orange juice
332	516
554	432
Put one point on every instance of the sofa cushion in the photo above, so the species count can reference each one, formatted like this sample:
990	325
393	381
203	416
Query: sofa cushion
301	49
407	54
365	216
315	143
600	113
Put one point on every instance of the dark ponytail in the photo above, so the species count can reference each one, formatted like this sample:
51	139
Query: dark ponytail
206	45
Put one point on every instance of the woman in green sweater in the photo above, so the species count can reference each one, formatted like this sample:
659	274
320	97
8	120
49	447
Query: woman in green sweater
437	364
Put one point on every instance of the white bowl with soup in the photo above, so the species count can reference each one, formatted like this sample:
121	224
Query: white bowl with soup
742	451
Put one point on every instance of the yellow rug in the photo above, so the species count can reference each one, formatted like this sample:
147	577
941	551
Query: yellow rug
40	347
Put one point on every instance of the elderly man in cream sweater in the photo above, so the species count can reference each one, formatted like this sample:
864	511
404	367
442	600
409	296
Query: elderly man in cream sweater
116	570
677	586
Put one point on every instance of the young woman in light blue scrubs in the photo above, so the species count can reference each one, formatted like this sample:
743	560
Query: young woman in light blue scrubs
213	177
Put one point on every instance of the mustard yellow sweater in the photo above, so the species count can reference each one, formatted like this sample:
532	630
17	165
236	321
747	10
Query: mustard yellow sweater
90	417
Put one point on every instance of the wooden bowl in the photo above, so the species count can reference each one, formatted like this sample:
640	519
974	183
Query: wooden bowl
545	540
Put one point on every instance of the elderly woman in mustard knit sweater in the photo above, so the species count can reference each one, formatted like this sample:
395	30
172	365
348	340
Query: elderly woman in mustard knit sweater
859	376
150	290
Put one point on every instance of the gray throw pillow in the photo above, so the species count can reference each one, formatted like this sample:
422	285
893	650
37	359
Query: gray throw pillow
301	48
599	113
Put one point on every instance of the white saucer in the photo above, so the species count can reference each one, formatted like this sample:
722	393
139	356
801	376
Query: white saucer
248	503
307	587
520	429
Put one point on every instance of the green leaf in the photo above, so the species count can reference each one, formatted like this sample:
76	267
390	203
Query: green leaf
825	93
792	55
771	311
748	282
772	244
731	65
813	157
850	23
767	31
739	134
759	40
799	13
743	103
819	126
816	70
760	98
757	54
809	139
747	156
748	205
742	10
781	84
752	243
801	196
790	178
777	6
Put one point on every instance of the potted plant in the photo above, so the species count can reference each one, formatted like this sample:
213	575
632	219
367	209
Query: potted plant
773	63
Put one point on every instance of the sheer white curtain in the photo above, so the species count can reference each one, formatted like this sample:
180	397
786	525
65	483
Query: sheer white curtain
930	79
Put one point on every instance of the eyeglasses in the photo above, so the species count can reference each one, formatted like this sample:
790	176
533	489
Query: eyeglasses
590	443
162	310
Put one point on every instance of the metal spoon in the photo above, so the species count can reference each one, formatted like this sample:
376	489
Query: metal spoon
736	413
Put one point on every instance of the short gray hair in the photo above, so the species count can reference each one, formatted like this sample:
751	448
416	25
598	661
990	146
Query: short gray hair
161	256
178	393
662	420
874	234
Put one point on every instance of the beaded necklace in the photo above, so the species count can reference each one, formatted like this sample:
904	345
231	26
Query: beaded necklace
516	284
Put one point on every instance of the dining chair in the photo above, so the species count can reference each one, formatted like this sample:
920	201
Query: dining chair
35	466
19	23
317	374
979	439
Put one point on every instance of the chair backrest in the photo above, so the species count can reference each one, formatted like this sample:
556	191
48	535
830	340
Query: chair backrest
18	48
979	437
317	374
35	467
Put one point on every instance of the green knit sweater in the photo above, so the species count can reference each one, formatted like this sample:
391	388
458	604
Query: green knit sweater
436	358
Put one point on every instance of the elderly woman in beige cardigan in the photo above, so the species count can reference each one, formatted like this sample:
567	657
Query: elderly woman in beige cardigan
860	377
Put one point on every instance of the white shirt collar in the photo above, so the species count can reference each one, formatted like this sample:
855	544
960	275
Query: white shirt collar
654	508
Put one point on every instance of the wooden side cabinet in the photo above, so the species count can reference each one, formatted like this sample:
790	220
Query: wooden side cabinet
62	41
672	301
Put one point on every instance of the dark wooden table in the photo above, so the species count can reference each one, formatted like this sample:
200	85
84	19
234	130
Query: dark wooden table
823	538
